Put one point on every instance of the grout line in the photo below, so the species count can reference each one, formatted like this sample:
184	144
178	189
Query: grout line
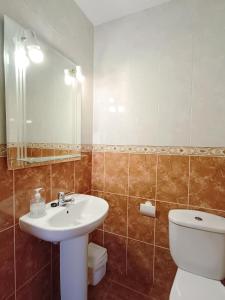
32	277
128	193
163	201
172	203
92	154
154	241
123	195
127	207
73	189
126	237
156	179
51	194
189	179
143	242
7	228
14	232
10	296
74	176
126	261
128	288
158	246
98	229
104	177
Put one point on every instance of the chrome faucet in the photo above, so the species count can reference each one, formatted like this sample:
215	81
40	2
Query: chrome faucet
65	198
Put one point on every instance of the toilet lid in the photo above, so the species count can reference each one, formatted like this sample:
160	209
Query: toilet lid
188	286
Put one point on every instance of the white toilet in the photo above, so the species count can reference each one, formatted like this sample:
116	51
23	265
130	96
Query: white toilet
197	245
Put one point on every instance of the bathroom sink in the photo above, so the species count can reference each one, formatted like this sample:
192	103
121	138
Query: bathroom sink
70	225
63	223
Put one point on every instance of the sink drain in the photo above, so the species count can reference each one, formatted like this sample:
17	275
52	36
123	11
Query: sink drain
198	219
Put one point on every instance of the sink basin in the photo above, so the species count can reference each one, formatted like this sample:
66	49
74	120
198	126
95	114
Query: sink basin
70	225
62	223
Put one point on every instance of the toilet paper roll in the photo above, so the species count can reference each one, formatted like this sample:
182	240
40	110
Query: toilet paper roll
147	209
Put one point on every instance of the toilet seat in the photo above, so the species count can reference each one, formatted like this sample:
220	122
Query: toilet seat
188	286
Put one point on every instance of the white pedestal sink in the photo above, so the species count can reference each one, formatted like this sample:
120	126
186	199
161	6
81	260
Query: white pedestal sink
70	226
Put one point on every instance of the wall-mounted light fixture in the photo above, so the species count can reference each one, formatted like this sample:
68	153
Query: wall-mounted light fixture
35	54
71	76
28	50
79	75
21	59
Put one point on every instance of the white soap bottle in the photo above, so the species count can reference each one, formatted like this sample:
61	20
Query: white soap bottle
37	204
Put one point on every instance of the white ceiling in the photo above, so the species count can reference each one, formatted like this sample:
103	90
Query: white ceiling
102	11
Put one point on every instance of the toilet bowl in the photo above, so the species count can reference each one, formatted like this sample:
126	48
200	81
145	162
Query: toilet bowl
197	246
188	286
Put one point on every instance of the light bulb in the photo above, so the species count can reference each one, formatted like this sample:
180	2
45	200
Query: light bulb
68	78
35	54
21	58
80	77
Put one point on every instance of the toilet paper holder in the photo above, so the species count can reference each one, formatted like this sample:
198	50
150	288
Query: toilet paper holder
148	209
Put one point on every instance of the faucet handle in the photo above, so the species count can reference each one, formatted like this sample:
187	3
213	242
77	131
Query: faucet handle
64	198
61	196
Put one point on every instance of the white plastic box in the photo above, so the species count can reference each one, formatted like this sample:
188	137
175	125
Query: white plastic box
97	259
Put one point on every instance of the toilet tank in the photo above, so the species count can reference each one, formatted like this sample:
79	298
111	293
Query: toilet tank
197	242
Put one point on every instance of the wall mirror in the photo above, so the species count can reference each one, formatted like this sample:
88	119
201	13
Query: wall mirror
43	91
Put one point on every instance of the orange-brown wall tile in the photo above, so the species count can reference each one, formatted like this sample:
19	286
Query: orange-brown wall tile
7	263
38	287
6	195
116	221
138	246
207	186
140	266
140	227
25	181
116	246
165	270
161	230
32	254
29	267
98	170
142	175
116	173
63	178
172	179
83	171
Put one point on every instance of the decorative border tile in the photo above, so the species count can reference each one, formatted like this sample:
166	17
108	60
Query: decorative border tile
49	146
56	146
3	150
192	151
86	148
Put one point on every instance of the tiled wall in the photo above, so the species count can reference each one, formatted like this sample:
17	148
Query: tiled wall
139	257
140	265
28	266
157	71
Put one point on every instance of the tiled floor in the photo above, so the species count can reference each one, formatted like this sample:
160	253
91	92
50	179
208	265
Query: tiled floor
109	290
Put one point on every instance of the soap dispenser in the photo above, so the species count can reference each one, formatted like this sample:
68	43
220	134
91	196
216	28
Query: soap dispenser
37	204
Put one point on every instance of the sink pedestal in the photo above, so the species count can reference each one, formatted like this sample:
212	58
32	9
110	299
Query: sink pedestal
74	268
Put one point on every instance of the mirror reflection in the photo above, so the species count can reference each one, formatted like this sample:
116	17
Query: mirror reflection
43	100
